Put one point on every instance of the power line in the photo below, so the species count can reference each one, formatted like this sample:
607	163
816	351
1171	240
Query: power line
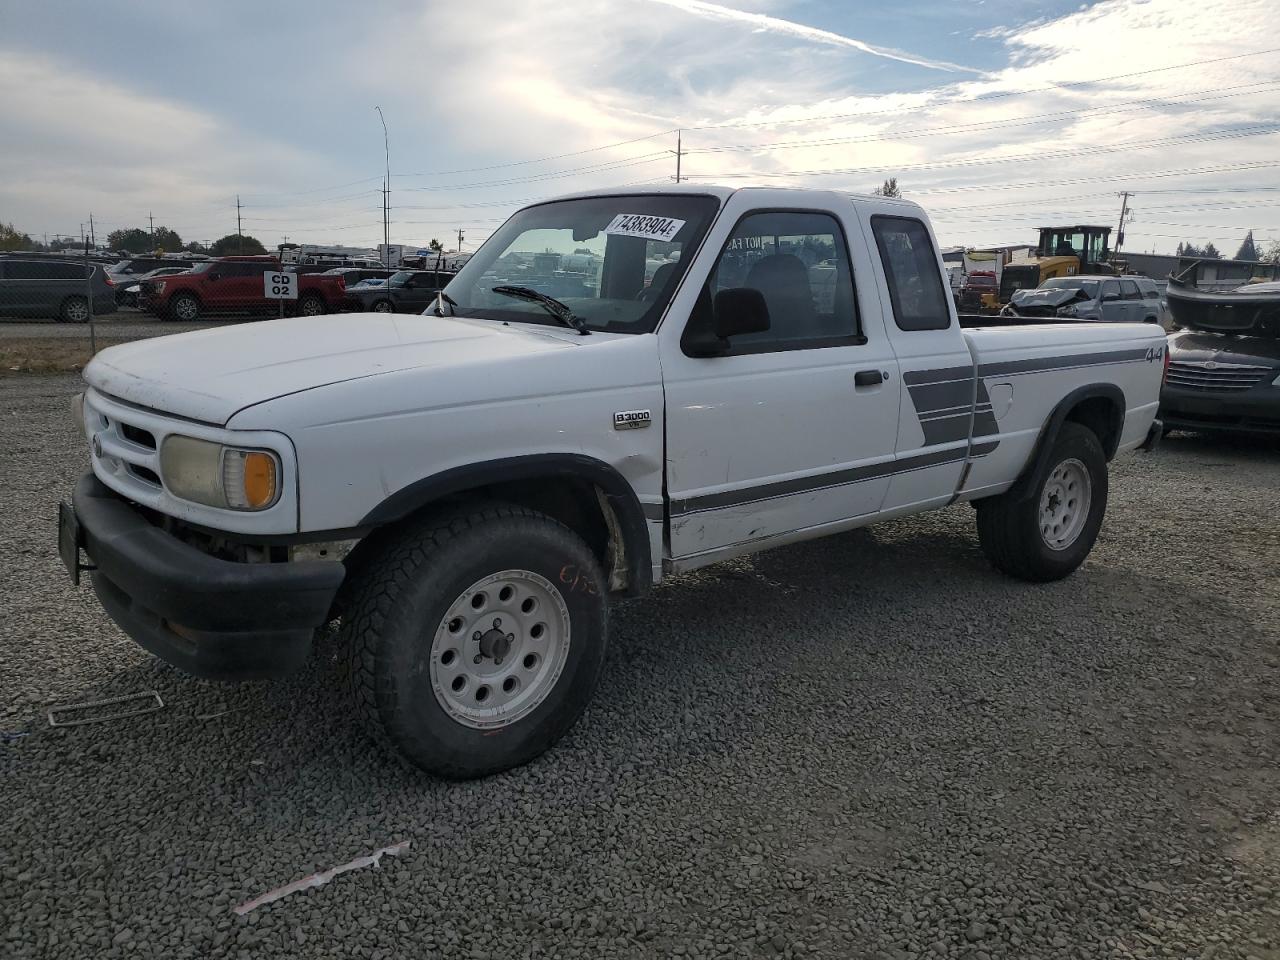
984	98
981	125
521	163
1255	130
551	175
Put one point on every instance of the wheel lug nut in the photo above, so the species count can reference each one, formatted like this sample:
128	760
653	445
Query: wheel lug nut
497	661
497	623
476	636
479	658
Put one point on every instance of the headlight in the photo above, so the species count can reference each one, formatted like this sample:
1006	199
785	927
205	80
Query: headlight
219	476
1067	311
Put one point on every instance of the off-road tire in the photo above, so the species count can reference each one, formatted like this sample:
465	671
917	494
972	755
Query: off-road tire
400	592
1009	524
174	311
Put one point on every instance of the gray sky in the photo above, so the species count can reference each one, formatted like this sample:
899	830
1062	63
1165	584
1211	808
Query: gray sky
984	111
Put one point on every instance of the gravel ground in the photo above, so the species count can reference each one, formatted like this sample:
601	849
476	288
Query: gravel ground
126	323
870	746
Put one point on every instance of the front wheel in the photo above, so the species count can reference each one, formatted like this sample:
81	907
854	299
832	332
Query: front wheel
185	307
476	639
1046	535
382	306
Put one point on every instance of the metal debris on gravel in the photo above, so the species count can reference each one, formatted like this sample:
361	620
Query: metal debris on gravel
870	746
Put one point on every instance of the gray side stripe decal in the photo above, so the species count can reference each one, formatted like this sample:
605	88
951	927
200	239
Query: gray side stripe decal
838	478
1038	365
913	377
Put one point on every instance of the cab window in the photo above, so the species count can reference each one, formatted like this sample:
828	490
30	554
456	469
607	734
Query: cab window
799	262
911	271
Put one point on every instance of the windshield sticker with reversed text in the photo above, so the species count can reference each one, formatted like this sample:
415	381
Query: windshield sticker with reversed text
643	225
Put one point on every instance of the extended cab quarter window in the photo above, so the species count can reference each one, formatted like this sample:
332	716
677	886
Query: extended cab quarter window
800	263
911	271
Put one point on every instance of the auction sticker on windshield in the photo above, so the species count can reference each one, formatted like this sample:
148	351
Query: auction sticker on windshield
643	225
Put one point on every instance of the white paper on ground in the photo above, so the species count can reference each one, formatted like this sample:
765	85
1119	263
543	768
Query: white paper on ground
321	878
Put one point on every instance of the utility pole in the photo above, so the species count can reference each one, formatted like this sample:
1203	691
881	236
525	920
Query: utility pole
92	237
459	240
1124	210
239	233
679	152
386	193
153	229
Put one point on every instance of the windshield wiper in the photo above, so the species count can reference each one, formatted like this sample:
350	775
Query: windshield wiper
553	306
441	295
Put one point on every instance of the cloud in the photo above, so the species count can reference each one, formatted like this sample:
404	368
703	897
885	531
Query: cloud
491	85
776	25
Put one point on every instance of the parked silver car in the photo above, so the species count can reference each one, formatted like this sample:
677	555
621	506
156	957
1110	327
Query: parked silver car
1090	297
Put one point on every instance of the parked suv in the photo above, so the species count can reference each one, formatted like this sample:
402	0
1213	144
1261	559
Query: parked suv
1100	297
53	288
235	285
407	291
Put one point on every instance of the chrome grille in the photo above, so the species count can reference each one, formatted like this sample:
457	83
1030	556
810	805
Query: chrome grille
123	448
1211	375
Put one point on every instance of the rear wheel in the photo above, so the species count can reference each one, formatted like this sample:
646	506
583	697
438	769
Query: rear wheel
311	306
184	307
1046	535
476	639
74	310
382	306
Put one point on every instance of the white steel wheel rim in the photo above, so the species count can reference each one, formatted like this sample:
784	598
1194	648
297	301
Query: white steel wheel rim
77	311
310	308
185	308
1064	504
500	649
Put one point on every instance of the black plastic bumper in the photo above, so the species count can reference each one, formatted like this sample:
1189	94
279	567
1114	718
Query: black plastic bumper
1251	411
212	618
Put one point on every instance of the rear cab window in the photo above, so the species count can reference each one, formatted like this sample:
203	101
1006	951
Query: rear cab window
912	274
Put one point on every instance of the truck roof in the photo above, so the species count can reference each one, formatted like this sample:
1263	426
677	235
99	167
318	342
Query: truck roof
724	193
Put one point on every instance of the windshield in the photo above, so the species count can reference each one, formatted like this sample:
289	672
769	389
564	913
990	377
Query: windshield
1090	287
614	261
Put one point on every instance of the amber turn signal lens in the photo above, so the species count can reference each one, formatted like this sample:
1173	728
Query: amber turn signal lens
259	479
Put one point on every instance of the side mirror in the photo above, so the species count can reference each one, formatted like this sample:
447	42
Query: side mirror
740	310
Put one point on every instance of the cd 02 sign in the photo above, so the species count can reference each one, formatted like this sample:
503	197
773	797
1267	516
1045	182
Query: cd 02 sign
280	286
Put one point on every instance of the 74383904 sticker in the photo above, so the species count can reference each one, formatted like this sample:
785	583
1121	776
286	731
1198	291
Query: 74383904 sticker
644	225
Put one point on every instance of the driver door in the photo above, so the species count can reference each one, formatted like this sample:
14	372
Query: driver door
792	428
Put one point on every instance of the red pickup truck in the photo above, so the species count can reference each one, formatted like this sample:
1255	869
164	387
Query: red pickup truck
234	285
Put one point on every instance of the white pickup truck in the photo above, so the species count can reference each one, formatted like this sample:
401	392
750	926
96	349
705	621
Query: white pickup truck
722	371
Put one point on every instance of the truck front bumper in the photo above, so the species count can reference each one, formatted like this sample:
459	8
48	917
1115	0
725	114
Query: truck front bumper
212	618
1249	411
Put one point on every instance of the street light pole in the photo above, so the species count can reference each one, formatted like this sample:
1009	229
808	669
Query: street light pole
386	194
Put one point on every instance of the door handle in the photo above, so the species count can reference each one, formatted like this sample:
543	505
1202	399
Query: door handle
868	378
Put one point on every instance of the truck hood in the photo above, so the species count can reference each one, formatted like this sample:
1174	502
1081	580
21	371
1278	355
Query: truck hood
1052	297
209	375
